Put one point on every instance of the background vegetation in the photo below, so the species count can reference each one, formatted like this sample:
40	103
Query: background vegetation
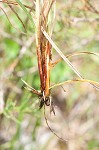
22	124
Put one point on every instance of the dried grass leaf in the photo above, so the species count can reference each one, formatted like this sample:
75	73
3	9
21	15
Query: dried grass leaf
76	80
74	54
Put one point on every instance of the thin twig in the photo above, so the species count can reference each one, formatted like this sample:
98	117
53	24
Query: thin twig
52	129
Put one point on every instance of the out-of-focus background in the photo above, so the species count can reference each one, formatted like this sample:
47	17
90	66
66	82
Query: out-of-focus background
22	124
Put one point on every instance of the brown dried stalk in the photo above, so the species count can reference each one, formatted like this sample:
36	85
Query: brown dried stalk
44	44
43	52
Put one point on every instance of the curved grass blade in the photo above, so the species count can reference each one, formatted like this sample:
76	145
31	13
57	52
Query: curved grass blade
29	88
18	17
6	15
74	54
25	10
80	53
10	22
27	85
76	80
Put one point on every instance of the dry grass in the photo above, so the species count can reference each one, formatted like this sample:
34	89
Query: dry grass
73	26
